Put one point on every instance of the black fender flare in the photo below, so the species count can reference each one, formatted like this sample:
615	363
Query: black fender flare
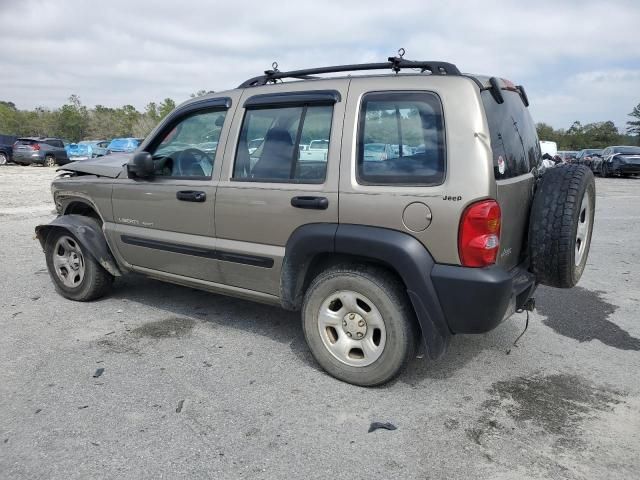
399	251
89	234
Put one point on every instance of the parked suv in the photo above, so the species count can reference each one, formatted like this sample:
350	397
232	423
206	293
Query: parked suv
6	148
40	150
381	255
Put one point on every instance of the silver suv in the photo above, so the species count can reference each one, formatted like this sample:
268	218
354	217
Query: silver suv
423	214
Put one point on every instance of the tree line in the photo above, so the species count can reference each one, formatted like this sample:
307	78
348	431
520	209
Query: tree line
593	135
74	121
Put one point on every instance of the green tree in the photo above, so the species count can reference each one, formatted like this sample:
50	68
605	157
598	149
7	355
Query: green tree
633	126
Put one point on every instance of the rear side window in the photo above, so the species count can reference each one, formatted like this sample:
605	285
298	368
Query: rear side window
269	148
55	143
401	139
514	141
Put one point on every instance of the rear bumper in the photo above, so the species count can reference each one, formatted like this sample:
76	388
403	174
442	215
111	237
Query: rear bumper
27	158
626	168
476	300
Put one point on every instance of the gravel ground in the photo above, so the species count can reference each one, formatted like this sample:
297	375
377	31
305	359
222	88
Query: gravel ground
202	386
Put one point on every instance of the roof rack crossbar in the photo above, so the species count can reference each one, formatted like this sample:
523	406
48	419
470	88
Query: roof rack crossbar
394	63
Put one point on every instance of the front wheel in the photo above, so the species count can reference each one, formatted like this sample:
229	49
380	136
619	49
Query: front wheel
75	274
3	158
359	324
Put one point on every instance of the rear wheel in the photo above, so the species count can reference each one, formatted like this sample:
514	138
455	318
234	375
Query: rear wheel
49	161
561	225
75	274
359	324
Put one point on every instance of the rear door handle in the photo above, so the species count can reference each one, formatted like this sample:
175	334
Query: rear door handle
191	196
314	203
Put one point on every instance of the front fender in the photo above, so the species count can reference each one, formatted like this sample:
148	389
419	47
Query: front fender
88	233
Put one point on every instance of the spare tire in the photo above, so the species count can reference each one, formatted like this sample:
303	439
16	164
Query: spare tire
560	225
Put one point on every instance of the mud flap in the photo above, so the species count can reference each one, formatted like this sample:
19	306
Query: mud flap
88	233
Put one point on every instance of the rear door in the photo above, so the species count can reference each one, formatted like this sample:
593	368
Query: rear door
516	153
267	190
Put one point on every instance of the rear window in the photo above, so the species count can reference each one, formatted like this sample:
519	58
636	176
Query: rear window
627	150
514	140
401	139
26	141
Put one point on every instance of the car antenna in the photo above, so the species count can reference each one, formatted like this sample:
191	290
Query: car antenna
274	69
396	60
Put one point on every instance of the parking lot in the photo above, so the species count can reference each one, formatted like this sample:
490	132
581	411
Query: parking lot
203	386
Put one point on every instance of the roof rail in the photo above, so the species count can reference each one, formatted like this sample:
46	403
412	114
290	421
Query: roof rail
395	64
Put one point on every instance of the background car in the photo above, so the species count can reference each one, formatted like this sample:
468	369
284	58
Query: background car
567	156
6	148
585	155
45	151
126	145
618	160
98	147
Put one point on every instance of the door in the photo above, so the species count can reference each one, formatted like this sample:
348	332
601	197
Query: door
267	190
166	223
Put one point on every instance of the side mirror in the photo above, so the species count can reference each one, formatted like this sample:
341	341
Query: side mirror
141	165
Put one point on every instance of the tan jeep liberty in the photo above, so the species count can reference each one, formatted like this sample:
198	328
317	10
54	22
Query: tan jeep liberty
393	210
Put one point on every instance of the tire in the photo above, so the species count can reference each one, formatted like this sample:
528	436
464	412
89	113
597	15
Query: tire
561	225
49	161
380	347
3	158
85	279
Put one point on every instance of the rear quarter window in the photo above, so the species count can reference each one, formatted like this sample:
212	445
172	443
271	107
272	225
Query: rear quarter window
401	139
514	140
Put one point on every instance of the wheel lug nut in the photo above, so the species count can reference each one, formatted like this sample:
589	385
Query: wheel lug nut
349	334
359	334
344	323
351	316
361	323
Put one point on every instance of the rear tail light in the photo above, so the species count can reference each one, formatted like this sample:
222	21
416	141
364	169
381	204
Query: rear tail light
35	146
479	235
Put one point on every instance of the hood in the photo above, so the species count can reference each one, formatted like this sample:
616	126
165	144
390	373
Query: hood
109	166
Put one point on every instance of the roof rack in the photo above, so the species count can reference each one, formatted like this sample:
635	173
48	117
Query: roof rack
396	64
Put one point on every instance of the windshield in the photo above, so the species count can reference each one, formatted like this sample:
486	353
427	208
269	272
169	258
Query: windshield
627	150
121	143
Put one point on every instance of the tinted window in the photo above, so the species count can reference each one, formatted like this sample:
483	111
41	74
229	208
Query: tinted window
270	139
54	143
401	139
188	149
627	150
514	139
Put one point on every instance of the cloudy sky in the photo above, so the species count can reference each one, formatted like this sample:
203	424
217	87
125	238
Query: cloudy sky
579	59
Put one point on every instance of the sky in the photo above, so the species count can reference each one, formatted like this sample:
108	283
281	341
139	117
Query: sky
578	59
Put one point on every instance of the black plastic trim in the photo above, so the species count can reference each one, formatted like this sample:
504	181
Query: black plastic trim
256	261
88	233
476	300
399	251
307	97
396	64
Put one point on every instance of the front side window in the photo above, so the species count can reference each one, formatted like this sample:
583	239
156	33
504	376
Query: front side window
189	148
273	144
401	139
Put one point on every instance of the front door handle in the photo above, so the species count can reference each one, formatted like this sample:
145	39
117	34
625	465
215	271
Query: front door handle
191	196
315	203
